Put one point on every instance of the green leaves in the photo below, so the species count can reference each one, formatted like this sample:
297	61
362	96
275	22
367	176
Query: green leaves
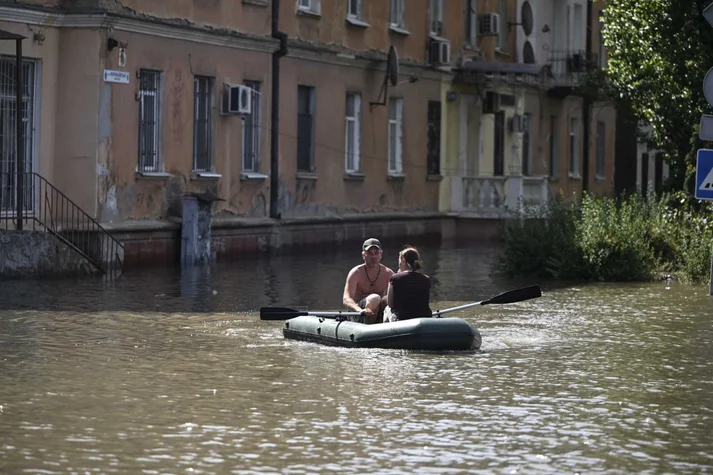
659	52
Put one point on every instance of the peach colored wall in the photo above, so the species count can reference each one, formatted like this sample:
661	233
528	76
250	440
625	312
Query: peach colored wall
76	122
331	191
141	197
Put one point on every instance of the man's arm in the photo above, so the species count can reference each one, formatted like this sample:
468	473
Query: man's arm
350	290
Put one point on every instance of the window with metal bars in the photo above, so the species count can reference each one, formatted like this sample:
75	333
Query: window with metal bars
433	156
149	121
203	92
305	128
251	130
8	131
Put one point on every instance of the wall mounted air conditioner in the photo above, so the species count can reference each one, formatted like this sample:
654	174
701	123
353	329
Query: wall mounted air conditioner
517	123
489	24
236	99
439	51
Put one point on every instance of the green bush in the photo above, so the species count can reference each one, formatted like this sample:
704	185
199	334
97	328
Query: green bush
623	239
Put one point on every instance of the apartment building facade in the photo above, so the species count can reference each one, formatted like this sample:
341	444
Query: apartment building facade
130	105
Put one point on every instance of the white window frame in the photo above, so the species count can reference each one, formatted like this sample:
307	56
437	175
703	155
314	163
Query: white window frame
309	6
355	5
435	15
252	125
396	133
396	14
574	147
353	122
157	166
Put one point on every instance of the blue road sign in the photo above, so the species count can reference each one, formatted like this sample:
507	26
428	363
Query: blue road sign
704	174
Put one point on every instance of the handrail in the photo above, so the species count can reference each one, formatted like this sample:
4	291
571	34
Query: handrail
55	212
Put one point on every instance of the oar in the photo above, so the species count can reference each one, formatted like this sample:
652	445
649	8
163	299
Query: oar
511	296
283	313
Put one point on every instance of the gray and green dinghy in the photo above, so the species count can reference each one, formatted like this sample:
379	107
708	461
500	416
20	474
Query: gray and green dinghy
437	334
429	334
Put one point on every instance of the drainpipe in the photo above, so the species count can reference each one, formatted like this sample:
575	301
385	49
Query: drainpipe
275	113
587	105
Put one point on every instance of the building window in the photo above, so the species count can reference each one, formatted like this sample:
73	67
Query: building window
149	121
396	135
354	9
554	145
578	28
602	47
499	144
601	147
526	146
433	154
574	146
471	22
251	130
305	129
352	126
8	132
436	16
397	13
503	29
311	6
203	92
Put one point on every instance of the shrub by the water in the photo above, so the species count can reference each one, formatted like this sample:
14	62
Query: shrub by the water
624	239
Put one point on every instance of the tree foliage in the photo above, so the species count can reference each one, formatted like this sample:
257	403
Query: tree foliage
659	52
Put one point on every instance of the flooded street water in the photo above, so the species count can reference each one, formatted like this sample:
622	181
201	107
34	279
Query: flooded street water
170	372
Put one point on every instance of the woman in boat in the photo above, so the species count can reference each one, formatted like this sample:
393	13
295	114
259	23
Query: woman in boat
409	291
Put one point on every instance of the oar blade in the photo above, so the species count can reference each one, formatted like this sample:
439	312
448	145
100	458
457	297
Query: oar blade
517	295
279	313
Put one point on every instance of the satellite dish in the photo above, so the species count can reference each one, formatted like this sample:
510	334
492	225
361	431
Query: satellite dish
392	66
526	18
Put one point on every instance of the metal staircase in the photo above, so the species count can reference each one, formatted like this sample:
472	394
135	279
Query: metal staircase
41	206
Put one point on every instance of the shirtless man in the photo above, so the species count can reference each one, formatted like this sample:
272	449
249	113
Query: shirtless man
367	283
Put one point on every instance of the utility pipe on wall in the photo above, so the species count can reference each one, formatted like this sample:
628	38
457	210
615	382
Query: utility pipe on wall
275	111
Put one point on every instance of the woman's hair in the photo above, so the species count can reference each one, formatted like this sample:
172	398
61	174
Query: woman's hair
412	257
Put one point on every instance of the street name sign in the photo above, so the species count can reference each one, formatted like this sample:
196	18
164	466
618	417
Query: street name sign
704	174
121	77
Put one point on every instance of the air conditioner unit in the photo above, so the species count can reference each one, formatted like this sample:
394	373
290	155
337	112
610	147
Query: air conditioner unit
489	24
517	123
491	103
236	99
439	51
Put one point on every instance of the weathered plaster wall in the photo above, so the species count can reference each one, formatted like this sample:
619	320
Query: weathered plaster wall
38	254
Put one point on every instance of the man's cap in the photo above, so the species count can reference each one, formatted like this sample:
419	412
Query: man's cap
371	242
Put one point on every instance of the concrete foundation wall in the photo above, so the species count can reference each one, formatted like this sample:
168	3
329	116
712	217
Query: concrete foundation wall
38	254
158	243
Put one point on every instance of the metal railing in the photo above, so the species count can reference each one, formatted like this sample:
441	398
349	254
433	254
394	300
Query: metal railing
36	204
568	67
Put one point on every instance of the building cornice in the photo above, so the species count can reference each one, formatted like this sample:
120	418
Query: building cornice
103	19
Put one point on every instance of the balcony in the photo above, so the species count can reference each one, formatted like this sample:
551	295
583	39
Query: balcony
568	69
493	197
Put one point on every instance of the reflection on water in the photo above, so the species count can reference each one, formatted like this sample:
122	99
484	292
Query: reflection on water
172	371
